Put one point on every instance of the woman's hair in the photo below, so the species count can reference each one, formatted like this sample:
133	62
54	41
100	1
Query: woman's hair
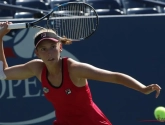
63	39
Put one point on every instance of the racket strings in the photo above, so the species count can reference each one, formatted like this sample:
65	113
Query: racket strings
75	21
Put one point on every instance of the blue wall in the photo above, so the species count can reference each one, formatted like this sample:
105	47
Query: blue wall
133	45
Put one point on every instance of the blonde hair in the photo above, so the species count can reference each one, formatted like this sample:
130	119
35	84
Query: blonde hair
63	39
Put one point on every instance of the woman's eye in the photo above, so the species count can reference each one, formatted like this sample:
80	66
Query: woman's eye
43	49
53	46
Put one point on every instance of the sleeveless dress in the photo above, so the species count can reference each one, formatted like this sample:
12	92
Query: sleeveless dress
73	105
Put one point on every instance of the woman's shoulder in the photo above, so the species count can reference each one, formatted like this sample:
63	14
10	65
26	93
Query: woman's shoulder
36	61
36	64
72	64
72	61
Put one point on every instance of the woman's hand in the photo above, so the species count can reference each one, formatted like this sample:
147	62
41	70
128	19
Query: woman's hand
151	88
3	28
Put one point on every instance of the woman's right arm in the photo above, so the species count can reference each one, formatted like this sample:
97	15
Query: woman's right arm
16	72
23	71
3	32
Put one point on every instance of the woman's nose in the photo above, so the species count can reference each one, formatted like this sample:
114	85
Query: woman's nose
49	50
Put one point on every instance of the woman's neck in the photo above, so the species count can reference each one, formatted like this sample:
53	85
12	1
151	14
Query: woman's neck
55	69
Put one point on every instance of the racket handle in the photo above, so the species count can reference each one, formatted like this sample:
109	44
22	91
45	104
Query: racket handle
17	26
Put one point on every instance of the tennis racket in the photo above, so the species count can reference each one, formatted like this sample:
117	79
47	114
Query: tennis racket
74	20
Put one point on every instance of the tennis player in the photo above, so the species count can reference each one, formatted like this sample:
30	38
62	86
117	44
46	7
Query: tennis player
64	80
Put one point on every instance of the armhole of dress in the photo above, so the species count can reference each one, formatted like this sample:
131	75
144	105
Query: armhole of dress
66	76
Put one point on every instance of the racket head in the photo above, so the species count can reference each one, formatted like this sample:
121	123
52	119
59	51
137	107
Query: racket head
73	20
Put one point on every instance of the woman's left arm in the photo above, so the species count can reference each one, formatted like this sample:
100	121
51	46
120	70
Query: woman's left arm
83	70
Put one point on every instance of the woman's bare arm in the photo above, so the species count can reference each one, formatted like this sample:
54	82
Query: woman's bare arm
87	71
22	71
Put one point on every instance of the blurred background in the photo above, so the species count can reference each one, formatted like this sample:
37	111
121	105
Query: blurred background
103	7
130	39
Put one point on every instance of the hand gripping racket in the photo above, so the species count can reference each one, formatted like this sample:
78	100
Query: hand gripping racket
74	20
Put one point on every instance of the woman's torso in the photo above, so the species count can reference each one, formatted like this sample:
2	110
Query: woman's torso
73	105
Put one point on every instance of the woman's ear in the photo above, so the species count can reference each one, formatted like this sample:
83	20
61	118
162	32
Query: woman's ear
36	52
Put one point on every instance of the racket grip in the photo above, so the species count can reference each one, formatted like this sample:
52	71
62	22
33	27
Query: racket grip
17	26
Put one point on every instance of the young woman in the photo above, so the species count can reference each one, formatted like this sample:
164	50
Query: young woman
64	80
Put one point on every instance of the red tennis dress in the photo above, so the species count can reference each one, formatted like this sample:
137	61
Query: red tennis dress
73	105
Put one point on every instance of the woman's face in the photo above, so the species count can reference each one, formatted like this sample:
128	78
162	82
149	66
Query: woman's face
49	51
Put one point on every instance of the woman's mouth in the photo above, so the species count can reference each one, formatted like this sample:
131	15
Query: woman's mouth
50	59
